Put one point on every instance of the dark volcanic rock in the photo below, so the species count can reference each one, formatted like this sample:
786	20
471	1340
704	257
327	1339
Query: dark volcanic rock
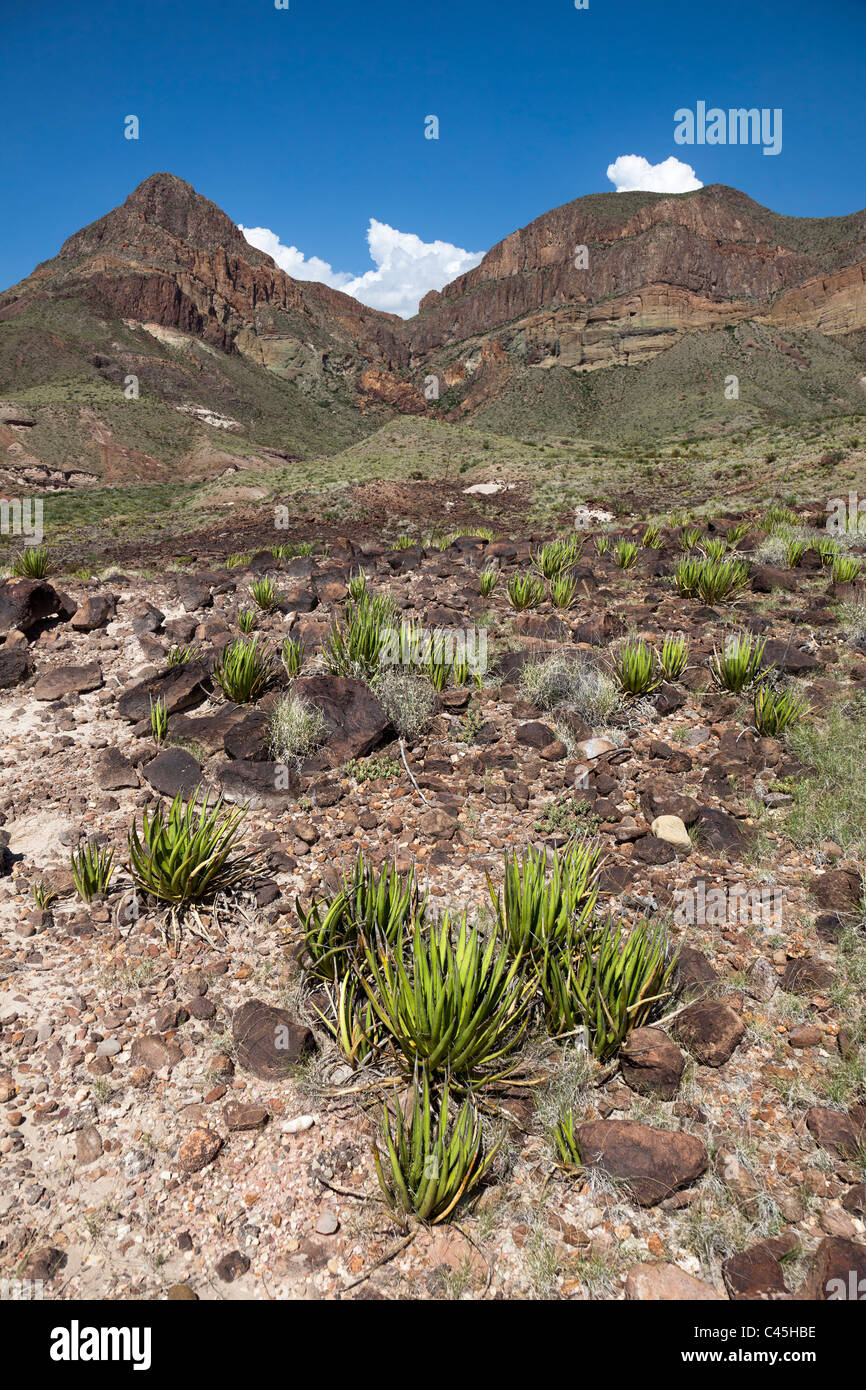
710	1030
67	680
261	786
651	1163
173	771
651	1063
14	666
26	602
355	722
268	1041
181	688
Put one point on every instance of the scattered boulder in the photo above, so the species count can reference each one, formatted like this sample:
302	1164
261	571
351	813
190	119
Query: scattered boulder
180	687
667	1283
26	602
173	771
199	1148
94	612
651	1063
710	1030
651	1163
269	1042
14	666
67	680
355	723
842	1135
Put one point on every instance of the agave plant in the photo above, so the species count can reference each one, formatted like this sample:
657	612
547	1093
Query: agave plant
265	594
429	1165
828	549
34	562
358	585
690	538
246	619
846	569
187	855
740	662
652	537
602	543
460	1007
555	557
776	711
181	656
714	581
370	905
354	649
612	984
566	1142
716	548
438	662
563	591
538	906
634	667
540	914
487	581
92	868
794	552
158	720
239	559
674	656
292	653
525	591
625	554
736	533
245	670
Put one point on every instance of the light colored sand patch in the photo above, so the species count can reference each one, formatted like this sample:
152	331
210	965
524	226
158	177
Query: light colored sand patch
40	835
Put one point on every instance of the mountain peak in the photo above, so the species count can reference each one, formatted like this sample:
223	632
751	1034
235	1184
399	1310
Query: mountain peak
164	207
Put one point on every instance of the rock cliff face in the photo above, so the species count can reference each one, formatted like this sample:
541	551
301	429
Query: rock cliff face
171	258
653	269
167	288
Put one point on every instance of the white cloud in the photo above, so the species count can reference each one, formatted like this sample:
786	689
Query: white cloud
632	172
406	267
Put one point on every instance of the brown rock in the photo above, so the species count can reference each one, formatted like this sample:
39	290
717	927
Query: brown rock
199	1148
651	1063
710	1030
651	1163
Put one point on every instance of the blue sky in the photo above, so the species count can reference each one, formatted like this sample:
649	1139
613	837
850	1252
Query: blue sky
309	121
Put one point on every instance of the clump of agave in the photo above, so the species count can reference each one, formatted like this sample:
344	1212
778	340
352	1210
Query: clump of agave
430	1163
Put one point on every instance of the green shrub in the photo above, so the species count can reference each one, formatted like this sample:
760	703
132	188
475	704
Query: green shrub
158	720
560	680
409	702
525	591
185	856
265	594
355	649
846	569
429	1165
714	581
33	563
487	582
776	711
739	664
674	656
245	671
292	653
452	1007
92	868
625	554
372	905
563	591
296	727
635	668
611	984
